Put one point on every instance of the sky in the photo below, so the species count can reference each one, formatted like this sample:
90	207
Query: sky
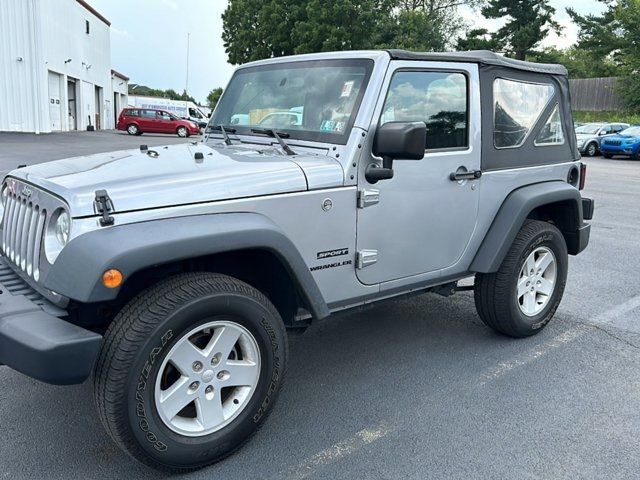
149	40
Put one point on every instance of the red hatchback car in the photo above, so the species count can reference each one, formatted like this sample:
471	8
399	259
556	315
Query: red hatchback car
136	121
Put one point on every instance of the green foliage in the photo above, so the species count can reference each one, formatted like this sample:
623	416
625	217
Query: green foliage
145	91
528	22
605	116
213	97
478	39
579	62
614	37
628	15
257	29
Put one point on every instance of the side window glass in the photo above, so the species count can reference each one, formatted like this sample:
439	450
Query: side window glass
438	99
551	133
517	108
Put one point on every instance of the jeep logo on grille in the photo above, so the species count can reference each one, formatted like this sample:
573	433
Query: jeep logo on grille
26	191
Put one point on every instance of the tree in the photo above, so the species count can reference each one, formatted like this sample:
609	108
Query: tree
579	62
478	39
257	29
527	23
213	97
156	92
613	38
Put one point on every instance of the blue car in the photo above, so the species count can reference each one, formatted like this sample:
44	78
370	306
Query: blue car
627	143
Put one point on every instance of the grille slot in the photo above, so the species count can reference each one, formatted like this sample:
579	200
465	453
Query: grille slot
22	231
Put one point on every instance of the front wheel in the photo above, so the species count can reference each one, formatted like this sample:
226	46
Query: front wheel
522	296
189	370
591	150
182	132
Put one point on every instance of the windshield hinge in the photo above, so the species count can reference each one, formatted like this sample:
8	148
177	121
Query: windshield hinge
368	197
103	205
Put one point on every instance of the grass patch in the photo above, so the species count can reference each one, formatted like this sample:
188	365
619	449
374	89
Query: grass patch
617	116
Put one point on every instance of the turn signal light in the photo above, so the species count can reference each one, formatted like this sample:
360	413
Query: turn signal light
583	175
112	278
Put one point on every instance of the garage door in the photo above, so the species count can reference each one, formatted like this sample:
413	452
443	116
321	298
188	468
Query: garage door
55	105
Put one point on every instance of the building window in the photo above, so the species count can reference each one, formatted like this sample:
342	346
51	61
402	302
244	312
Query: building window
87	27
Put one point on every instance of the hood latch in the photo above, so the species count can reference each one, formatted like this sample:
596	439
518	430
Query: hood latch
104	206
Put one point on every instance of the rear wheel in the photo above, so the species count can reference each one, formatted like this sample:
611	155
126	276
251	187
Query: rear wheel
182	132
133	129
591	150
189	370
522	296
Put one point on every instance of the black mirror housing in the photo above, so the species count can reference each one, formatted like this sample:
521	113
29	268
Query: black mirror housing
396	141
401	140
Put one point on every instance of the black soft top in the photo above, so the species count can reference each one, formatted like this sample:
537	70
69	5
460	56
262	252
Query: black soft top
484	57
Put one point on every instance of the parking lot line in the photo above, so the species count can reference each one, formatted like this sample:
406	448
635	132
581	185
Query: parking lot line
335	452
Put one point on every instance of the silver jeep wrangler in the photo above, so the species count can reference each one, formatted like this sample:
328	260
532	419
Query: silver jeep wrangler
324	182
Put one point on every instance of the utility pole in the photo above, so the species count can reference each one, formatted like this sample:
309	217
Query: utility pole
186	87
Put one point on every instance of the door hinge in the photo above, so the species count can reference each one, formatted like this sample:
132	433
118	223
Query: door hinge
364	258
368	197
104	206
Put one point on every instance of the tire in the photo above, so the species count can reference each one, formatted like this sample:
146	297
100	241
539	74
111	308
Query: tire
133	129
498	300
607	155
133	369
591	150
182	132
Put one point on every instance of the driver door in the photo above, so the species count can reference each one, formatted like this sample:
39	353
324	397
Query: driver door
423	220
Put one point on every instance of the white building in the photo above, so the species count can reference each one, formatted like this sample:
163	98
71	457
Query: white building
55	67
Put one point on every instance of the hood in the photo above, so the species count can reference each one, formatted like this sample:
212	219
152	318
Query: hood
135	180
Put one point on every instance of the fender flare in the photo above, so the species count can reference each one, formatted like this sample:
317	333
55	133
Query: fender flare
77	272
512	215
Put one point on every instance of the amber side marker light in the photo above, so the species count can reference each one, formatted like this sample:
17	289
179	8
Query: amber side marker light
112	278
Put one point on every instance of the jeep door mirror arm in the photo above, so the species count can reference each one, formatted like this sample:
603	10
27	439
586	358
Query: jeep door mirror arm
396	141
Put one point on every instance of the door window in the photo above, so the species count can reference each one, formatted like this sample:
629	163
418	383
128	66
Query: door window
439	99
517	108
147	113
164	116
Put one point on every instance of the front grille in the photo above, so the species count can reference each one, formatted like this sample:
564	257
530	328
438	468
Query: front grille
613	142
22	229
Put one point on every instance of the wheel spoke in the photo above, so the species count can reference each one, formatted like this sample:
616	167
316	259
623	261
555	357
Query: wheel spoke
546	286
185	354
176	397
241	374
531	263
530	301
223	341
544	261
522	286
209	411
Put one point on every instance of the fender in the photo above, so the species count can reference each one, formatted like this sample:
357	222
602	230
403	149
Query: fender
512	215
77	272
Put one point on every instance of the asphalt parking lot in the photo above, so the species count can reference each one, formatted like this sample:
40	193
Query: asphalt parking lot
416	388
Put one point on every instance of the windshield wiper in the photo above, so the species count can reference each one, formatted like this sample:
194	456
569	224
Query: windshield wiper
225	132
278	136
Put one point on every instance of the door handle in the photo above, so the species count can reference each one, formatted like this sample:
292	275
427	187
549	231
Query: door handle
465	175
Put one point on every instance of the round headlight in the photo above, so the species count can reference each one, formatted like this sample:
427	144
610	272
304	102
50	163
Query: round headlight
62	228
56	234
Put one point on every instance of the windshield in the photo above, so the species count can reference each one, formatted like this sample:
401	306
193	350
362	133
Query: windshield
632	131
589	128
312	100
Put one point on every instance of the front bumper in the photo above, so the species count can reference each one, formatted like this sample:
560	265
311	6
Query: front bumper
42	345
629	150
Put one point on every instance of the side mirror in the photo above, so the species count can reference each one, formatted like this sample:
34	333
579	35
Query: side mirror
396	141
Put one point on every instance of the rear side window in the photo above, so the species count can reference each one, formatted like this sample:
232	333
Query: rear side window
438	99
517	108
551	133
131	113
